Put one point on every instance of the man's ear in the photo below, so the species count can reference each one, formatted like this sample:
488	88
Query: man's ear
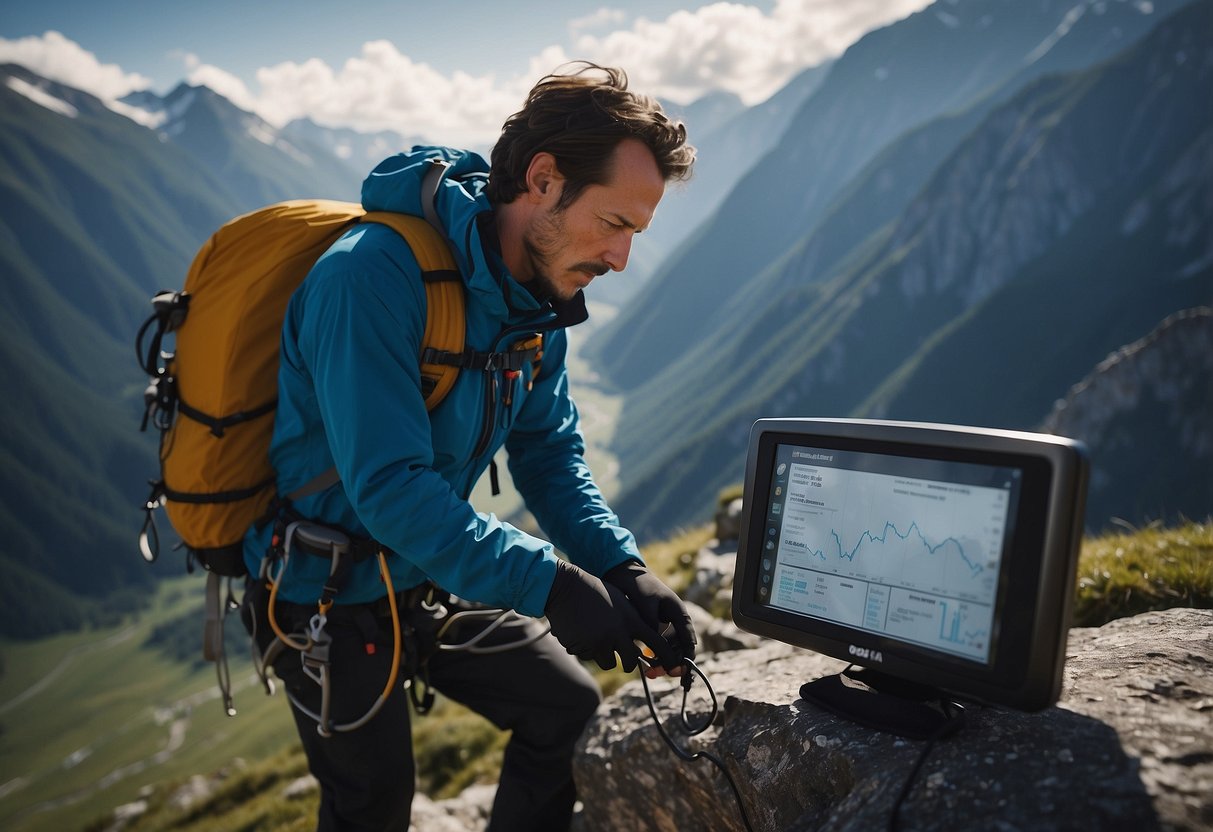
543	179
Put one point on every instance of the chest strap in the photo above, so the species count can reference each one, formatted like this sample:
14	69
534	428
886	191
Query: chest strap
512	360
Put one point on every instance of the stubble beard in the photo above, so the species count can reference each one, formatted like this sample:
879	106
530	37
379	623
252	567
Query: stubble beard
543	243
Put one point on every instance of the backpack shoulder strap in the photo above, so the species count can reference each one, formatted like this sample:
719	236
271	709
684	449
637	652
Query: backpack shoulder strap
445	322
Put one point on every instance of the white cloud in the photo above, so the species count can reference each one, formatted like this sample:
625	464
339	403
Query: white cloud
384	89
738	47
56	57
601	18
723	45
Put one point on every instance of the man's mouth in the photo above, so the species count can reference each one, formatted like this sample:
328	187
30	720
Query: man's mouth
591	270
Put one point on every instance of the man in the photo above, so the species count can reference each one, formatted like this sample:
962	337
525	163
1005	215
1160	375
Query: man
576	174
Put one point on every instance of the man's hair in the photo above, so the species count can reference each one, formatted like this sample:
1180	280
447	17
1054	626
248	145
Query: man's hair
580	117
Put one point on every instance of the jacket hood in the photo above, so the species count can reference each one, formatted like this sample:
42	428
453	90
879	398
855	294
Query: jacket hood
395	185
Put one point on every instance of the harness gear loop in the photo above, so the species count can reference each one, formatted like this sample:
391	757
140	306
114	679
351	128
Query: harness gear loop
149	535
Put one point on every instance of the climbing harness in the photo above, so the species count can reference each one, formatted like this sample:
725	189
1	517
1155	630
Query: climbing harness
313	642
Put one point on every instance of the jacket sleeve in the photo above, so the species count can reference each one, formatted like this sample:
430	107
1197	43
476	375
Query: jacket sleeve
358	330
547	463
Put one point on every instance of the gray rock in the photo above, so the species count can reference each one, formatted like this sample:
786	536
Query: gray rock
716	635
300	787
194	790
124	814
1130	746
468	812
712	585
728	521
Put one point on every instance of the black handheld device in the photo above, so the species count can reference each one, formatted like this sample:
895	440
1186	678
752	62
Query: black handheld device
937	555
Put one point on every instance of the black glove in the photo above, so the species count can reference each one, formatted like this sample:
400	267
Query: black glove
593	620
657	604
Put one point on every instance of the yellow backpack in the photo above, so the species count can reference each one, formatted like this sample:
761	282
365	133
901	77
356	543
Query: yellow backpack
213	397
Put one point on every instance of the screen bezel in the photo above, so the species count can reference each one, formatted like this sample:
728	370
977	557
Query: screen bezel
1034	594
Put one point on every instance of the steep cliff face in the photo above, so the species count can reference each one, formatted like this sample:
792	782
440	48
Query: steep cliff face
1146	413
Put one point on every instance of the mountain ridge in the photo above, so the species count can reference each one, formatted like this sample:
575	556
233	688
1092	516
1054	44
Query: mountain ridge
827	346
890	81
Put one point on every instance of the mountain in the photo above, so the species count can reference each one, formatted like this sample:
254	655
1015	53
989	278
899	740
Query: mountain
895	176
729	139
709	112
936	62
1151	398
97	212
259	162
359	151
1066	223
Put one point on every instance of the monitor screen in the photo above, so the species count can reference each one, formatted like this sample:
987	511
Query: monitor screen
941	554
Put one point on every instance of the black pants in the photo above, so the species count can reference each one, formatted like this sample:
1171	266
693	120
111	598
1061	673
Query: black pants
539	693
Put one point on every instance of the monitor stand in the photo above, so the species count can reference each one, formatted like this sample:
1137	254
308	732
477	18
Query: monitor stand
886	703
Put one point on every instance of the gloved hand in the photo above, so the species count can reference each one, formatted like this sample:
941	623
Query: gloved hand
657	604
594	620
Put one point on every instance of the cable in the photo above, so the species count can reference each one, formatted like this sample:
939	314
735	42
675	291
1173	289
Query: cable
947	729
690	670
500	618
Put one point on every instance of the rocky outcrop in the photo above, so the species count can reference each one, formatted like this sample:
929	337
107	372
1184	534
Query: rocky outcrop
1130	746
1144	413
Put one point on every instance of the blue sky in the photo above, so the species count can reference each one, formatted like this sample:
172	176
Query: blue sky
151	36
459	66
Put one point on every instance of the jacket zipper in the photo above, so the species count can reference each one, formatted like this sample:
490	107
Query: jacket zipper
490	412
490	393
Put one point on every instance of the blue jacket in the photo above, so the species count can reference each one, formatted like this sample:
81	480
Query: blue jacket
350	396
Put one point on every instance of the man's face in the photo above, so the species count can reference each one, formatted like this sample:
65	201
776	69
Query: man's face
568	248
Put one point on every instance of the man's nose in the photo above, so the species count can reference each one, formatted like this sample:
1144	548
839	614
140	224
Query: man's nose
616	255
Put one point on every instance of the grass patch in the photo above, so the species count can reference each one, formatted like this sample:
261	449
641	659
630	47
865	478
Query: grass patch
454	748
239	796
673	560
1156	568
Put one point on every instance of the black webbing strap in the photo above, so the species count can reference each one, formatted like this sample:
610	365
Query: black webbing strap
235	495
218	424
474	360
169	311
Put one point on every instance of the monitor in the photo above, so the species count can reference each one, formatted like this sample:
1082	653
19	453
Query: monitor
940	555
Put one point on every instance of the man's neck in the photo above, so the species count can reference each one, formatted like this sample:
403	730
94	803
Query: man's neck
509	221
